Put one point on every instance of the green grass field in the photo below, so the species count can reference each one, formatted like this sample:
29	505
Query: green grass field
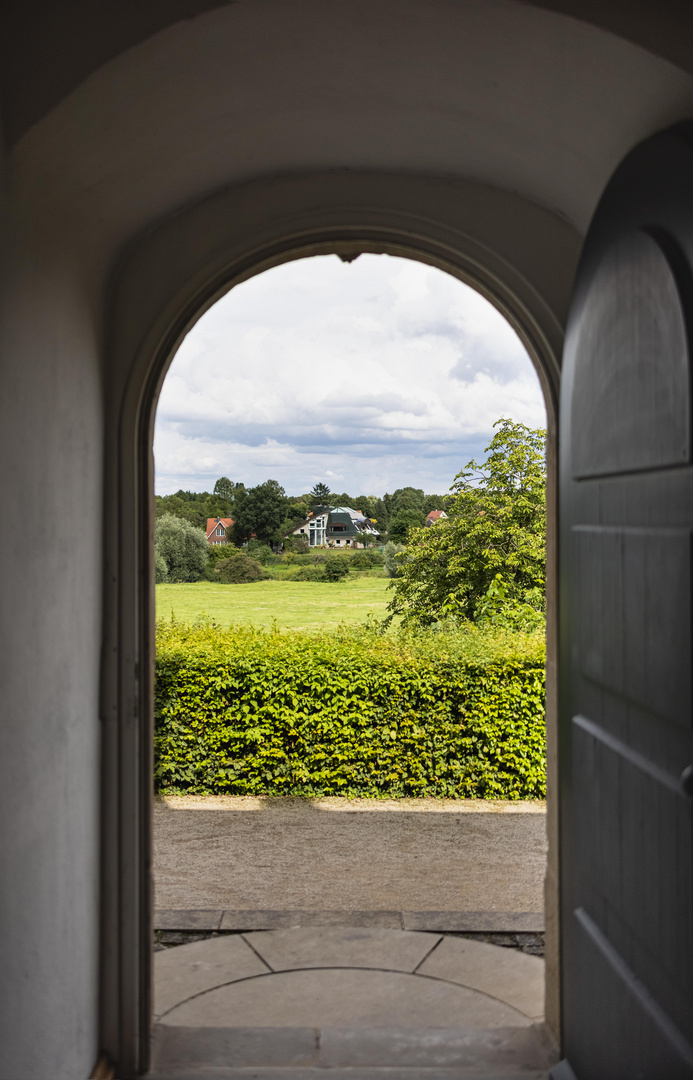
296	605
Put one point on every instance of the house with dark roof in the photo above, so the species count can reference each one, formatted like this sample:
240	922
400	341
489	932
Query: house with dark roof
336	526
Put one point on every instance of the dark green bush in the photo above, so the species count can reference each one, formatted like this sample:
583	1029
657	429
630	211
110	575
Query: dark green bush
353	713
336	567
238	569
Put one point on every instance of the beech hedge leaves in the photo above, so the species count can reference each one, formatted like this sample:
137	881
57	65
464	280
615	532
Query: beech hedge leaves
354	713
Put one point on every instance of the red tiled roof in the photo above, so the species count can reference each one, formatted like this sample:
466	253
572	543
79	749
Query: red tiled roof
434	515
213	522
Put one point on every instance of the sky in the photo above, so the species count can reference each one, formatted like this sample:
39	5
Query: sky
369	376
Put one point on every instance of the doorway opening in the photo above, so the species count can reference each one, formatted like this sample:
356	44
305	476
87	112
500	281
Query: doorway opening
344	400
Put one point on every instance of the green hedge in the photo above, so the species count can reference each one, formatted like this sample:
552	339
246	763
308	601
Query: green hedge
242	712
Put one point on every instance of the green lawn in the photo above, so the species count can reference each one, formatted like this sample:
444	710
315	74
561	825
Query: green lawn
298	605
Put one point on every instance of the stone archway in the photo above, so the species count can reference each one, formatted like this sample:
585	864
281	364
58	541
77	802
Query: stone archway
187	264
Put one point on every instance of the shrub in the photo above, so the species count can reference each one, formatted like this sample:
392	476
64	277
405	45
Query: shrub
262	552
183	548
366	560
239	569
392	565
455	715
336	567
303	573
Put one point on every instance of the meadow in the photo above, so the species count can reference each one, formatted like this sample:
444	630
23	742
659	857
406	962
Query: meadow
295	605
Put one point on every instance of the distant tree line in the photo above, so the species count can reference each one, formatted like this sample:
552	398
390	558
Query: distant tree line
267	513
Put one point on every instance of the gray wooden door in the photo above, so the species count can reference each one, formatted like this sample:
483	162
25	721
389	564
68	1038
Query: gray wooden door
626	738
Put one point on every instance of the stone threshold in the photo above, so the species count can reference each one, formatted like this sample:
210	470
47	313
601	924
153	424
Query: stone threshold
493	922
470	1052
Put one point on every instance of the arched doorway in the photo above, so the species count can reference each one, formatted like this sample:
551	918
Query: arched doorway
145	340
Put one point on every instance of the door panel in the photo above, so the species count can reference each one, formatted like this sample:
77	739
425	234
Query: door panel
631	367
626	499
640	579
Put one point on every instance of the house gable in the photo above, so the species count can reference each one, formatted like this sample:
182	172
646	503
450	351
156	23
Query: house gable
216	530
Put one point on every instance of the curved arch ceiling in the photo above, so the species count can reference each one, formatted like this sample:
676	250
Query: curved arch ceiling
506	94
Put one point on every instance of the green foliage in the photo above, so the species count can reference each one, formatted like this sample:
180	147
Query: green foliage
259	513
319	494
403	522
219	551
336	567
238	569
329	568
452	714
262	552
297	544
225	489
227	497
197	506
496	609
366	559
183	548
390	562
160	568
303	573
496	524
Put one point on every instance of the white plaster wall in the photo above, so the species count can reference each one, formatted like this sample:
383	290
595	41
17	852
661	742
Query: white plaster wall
494	91
50	634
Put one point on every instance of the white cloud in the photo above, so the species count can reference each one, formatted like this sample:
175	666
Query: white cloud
373	374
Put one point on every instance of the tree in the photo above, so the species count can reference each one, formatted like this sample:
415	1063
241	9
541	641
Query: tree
224	488
495	534
183	548
383	512
407	498
189	505
260	513
403	522
433	502
320	494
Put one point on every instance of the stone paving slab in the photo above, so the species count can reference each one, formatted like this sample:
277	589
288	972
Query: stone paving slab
286	920
516	978
188	920
498	922
472	1048
337	1047
311	947
352	997
192	969
229	1046
363	1004
491	922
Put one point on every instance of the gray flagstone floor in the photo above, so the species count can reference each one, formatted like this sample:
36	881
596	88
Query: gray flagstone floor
348	1002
